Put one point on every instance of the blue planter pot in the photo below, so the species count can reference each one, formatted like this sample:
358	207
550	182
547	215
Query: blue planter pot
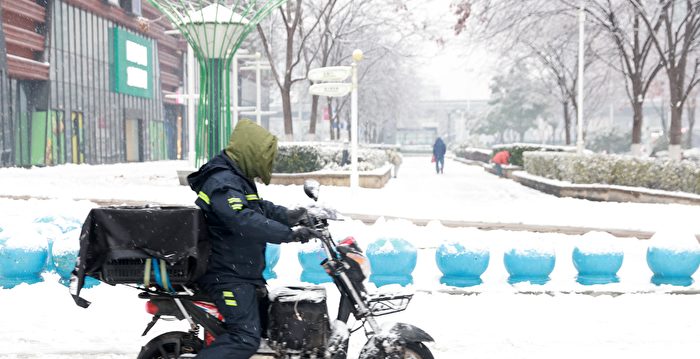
63	264
392	261
597	268
528	266
672	266
460	266
312	271
20	265
272	256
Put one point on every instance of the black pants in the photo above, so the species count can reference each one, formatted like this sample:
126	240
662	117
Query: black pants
244	307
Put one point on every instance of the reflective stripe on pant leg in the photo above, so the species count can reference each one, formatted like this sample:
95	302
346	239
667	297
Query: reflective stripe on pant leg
243	327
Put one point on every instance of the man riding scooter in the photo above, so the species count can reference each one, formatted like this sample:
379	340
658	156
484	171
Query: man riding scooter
240	225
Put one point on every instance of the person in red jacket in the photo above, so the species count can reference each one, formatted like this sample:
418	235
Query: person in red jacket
499	159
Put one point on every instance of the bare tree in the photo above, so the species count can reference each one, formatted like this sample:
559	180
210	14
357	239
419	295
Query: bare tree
292	17
679	37
633	44
387	33
542	30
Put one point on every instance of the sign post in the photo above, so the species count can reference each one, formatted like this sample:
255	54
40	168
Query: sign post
332	87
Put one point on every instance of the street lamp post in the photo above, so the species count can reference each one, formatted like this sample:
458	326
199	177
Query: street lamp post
357	56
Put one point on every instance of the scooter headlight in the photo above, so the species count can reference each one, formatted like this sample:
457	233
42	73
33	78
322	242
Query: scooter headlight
362	261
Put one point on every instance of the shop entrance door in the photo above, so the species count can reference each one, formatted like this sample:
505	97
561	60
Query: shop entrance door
133	132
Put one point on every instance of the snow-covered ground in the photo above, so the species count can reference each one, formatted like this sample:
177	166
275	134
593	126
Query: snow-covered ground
494	321
464	193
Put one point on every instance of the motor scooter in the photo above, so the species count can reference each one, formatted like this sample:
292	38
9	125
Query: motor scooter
298	324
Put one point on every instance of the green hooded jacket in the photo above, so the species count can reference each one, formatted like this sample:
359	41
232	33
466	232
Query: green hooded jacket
253	149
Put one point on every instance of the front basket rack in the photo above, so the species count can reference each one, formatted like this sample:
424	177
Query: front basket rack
383	304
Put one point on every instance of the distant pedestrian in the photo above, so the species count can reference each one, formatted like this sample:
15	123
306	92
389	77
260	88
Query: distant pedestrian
395	158
500	159
439	150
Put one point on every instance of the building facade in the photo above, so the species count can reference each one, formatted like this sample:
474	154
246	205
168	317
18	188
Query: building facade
88	81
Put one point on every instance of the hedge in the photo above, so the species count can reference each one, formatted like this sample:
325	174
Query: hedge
517	149
474	154
311	157
297	158
619	170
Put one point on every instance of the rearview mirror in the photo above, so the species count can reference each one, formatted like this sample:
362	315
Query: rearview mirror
311	187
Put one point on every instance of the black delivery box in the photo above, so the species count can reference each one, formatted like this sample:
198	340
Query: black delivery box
149	246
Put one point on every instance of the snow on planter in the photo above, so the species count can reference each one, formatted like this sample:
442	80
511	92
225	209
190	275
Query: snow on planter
23	254
597	258
462	263
310	256
50	233
272	256
673	256
64	254
529	263
392	261
64	223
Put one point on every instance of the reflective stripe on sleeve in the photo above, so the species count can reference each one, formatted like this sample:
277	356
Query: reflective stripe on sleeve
204	197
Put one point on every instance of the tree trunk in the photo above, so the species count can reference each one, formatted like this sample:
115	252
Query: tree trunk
675	136
637	119
691	120
287	112
331	121
314	114
675	133
567	122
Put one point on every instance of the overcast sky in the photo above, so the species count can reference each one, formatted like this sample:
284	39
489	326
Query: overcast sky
461	69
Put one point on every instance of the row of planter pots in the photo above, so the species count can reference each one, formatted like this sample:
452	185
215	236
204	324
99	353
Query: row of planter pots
392	261
49	245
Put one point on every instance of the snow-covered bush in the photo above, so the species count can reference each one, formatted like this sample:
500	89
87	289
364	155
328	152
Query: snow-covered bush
297	158
517	149
616	170
310	157
470	153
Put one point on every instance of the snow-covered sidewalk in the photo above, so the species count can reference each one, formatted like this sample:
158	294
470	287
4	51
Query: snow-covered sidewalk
462	193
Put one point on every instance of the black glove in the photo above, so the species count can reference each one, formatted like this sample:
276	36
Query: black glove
304	234
294	216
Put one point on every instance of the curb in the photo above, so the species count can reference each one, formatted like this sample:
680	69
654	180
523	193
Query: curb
539	228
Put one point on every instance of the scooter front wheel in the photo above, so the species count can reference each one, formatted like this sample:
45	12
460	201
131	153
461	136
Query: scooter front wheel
171	345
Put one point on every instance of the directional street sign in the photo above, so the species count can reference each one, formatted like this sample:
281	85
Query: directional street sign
331	74
331	89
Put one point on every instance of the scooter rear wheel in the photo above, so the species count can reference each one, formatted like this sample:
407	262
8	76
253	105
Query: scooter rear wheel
417	350
171	345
